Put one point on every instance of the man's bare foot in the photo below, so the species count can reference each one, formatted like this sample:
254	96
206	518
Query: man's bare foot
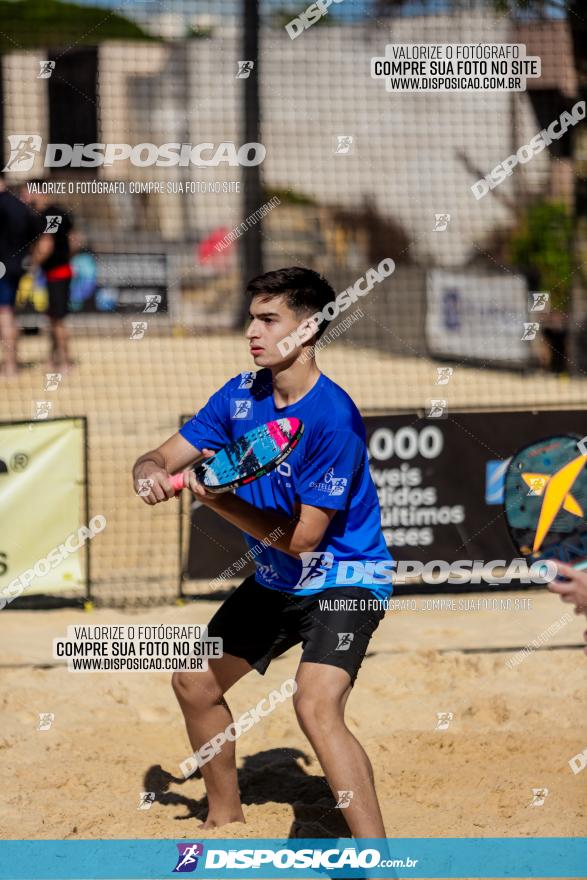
8	373
218	821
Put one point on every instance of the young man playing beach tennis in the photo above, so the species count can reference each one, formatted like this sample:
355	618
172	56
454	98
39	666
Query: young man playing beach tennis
322	504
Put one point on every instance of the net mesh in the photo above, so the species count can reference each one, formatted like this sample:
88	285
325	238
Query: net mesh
353	175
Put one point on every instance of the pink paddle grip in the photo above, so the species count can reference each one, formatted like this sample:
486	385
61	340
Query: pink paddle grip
177	482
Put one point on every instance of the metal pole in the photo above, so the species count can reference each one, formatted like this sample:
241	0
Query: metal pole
251	244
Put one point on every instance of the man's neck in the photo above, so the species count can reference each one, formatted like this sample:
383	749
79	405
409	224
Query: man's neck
292	383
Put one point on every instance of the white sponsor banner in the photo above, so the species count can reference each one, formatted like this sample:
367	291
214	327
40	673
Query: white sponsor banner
42	486
477	316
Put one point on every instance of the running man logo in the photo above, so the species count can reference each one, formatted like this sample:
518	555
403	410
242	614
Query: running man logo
314	568
437	409
187	860
153	301
138	329
42	409
443	375
23	149
241	409
539	795
441	222
539	302
244	69
537	484
145	487
146	800
555	490
47	68
344	144
52	381
344	800
46	719
443	720
344	641
530	331
53	222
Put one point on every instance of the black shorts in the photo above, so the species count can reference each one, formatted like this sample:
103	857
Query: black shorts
58	298
258	624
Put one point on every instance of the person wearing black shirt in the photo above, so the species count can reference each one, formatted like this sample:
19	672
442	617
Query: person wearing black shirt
21	236
58	224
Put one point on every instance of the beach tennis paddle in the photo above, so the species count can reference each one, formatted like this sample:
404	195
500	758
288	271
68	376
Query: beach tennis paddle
251	456
545	500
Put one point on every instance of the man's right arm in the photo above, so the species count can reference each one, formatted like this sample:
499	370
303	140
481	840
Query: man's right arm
175	455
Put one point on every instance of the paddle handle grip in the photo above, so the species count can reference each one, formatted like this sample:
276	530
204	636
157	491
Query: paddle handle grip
177	482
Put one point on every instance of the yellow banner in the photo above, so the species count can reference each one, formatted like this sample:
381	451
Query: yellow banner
41	508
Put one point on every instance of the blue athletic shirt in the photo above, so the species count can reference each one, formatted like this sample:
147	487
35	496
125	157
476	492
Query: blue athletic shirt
328	468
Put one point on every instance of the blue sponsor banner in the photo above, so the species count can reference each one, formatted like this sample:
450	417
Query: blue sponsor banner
270	858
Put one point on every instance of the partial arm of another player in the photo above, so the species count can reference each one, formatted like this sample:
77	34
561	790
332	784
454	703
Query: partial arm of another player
574	590
174	455
302	533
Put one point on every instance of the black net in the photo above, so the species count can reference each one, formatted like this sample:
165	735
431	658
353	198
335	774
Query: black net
470	291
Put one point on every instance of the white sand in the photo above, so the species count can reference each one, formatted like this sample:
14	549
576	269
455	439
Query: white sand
116	734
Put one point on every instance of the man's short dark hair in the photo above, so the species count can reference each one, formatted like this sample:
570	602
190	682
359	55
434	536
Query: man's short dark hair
304	290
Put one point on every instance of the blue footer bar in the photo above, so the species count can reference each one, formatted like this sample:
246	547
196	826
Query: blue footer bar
252	858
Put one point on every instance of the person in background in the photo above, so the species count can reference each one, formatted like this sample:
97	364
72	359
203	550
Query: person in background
21	237
58	225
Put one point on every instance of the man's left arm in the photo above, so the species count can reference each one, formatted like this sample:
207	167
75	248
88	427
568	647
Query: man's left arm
297	534
323	487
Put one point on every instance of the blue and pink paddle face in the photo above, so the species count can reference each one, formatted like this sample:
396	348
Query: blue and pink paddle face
251	456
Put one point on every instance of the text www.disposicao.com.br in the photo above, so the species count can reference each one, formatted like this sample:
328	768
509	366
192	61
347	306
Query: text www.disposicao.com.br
134	664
